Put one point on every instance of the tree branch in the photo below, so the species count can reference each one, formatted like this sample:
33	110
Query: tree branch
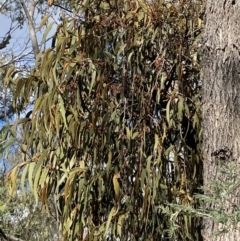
7	37
3	4
56	5
5	41
15	59
13	238
32	32
9	237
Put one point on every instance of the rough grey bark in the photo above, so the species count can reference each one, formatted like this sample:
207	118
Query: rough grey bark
221	98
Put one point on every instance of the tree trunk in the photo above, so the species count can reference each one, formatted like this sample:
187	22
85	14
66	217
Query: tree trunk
221	99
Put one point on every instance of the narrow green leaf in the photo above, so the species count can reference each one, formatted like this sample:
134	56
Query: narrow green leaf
49	27
30	174
23	180
43	21
62	110
111	214
168	111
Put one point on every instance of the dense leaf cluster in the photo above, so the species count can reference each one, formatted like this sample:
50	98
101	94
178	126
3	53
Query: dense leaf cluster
115	128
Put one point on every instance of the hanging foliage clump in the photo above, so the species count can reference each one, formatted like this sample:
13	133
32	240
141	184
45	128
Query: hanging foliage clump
115	128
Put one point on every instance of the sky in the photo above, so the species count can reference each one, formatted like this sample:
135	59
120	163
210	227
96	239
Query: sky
4	25
19	36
